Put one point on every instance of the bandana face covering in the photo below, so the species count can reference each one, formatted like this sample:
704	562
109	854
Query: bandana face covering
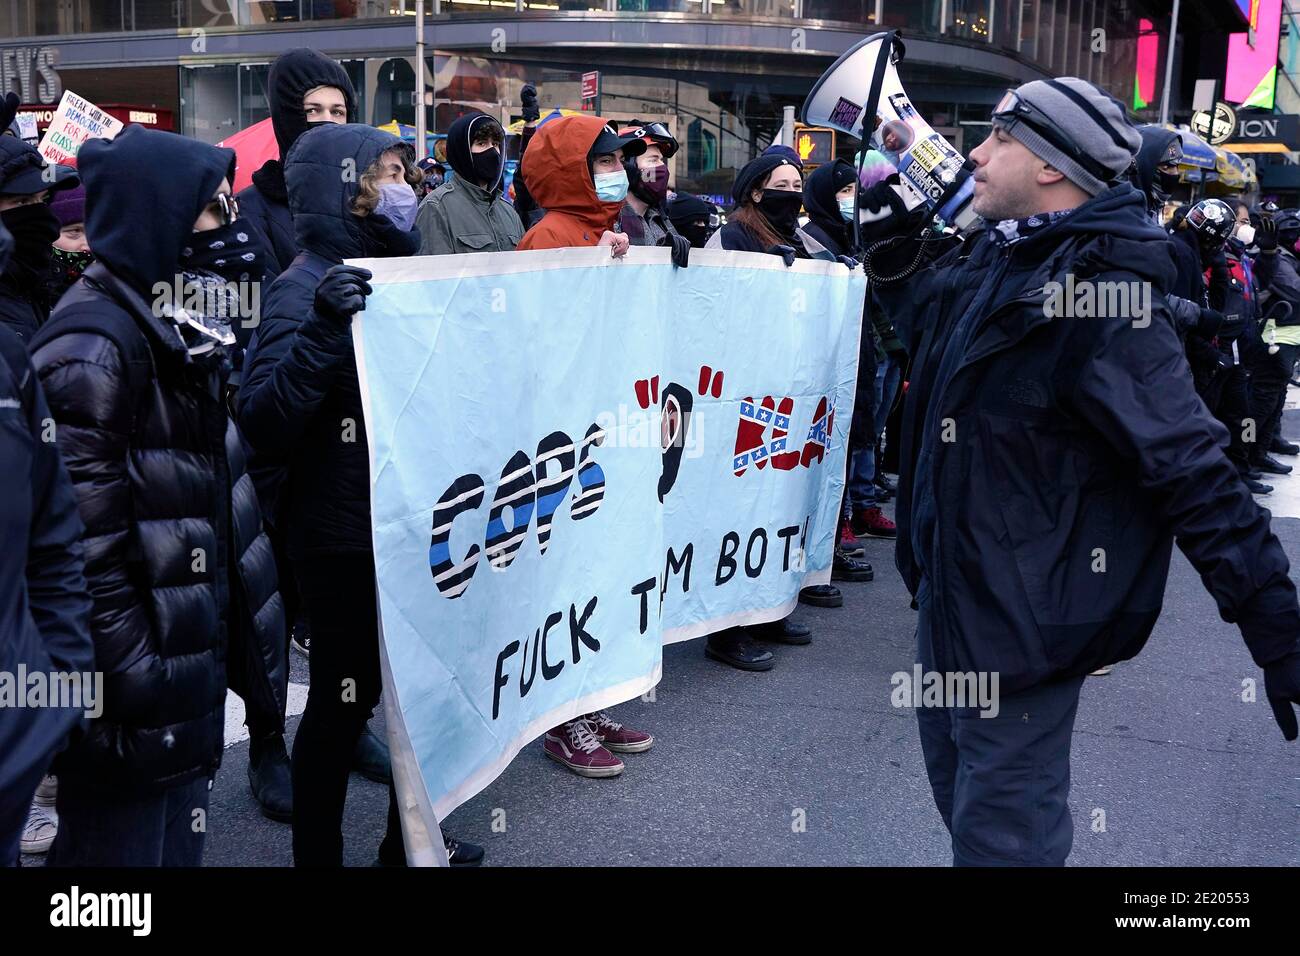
65	269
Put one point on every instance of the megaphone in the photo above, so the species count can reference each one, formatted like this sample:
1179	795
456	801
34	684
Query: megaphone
862	96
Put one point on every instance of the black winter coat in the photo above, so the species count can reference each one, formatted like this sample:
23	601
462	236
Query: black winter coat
300	403
22	310
44	607
1070	436
265	206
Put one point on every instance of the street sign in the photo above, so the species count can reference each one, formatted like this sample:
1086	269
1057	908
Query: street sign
590	85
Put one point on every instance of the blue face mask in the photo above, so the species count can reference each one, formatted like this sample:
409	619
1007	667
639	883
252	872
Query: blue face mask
398	203
846	208
611	187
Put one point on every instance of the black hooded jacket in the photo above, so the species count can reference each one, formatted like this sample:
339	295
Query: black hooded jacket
178	569
1155	141
1070	435
300	404
265	203
825	224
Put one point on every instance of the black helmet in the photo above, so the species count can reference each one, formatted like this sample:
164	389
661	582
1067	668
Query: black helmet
1288	220
1213	219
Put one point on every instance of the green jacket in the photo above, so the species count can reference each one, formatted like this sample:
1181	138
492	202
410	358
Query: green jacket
460	216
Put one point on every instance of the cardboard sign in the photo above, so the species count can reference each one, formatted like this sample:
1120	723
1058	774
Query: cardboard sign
75	121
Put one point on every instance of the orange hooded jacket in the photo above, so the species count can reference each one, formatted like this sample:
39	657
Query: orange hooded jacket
556	173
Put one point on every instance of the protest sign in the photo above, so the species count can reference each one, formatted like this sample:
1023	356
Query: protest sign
575	460
75	121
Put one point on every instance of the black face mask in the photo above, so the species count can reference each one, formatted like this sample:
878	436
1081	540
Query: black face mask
696	233
487	167
65	269
34	228
229	251
781	208
1166	182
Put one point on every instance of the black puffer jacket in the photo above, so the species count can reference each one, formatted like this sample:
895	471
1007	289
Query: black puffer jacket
144	431
300	404
1071	435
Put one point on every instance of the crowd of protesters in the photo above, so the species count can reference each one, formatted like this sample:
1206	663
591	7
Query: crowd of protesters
186	502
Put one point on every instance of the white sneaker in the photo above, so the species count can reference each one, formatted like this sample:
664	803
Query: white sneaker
46	792
39	832
1102	671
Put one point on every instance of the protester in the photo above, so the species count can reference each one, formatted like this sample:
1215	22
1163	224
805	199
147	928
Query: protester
43	597
768	195
184	593
303	89
574	171
1155	170
694	218
1278	277
1083	452
469	214
433	176
71	251
301	404
27	183
643	219
530	213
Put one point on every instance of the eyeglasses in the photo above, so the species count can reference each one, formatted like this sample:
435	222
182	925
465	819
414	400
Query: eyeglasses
1012	109
225	207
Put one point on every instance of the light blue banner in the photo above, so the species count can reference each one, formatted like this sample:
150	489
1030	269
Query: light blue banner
575	460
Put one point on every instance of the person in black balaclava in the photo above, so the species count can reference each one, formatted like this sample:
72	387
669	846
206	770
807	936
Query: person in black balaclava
305	89
469	213
26	183
1155	170
694	218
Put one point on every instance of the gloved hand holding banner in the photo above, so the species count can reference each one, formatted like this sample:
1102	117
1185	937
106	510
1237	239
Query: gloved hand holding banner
577	459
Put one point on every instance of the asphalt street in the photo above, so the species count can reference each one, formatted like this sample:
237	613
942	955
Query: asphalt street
809	764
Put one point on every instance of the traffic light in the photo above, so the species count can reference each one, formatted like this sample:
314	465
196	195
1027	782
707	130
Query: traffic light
814	144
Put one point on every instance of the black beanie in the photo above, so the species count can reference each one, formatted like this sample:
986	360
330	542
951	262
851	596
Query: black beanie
293	74
754	172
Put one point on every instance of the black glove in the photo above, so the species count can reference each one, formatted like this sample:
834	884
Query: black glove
1266	235
681	250
785	252
1208	325
849	261
528	100
342	292
1282	688
1232	327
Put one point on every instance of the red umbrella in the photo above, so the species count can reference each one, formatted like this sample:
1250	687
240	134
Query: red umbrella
253	147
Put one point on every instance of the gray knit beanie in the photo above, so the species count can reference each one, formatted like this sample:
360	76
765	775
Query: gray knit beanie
1078	112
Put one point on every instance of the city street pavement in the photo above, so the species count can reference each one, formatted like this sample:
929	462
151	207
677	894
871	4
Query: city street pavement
808	764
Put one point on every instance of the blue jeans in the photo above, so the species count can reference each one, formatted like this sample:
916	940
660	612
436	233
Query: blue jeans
861	483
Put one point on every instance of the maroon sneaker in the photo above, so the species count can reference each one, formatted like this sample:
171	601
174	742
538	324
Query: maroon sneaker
616	737
873	523
848	542
576	746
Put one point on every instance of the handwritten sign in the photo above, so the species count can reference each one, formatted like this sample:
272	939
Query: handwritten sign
75	121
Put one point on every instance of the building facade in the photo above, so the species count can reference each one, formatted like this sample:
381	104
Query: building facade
718	71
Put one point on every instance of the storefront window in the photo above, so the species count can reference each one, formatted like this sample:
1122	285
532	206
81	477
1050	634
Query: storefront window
969	19
210	102
914	16
162	14
847	11
752	8
1029	28
1006	22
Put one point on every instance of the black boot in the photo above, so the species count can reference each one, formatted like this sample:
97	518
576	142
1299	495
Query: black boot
371	759
734	646
1271	466
269	777
784	631
822	595
844	568
1280	446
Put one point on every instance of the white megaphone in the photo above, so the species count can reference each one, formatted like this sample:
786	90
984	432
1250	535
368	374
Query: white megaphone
862	96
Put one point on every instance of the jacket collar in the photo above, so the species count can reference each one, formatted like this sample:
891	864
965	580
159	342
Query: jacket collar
163	337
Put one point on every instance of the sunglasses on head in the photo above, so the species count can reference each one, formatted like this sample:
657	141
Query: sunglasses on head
1013	108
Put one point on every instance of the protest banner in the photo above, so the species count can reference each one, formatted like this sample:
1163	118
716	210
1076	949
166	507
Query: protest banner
75	121
576	460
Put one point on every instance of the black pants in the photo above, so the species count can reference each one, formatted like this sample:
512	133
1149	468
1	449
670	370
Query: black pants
1001	783
261	724
339	594
1232	407
102	828
1268	382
